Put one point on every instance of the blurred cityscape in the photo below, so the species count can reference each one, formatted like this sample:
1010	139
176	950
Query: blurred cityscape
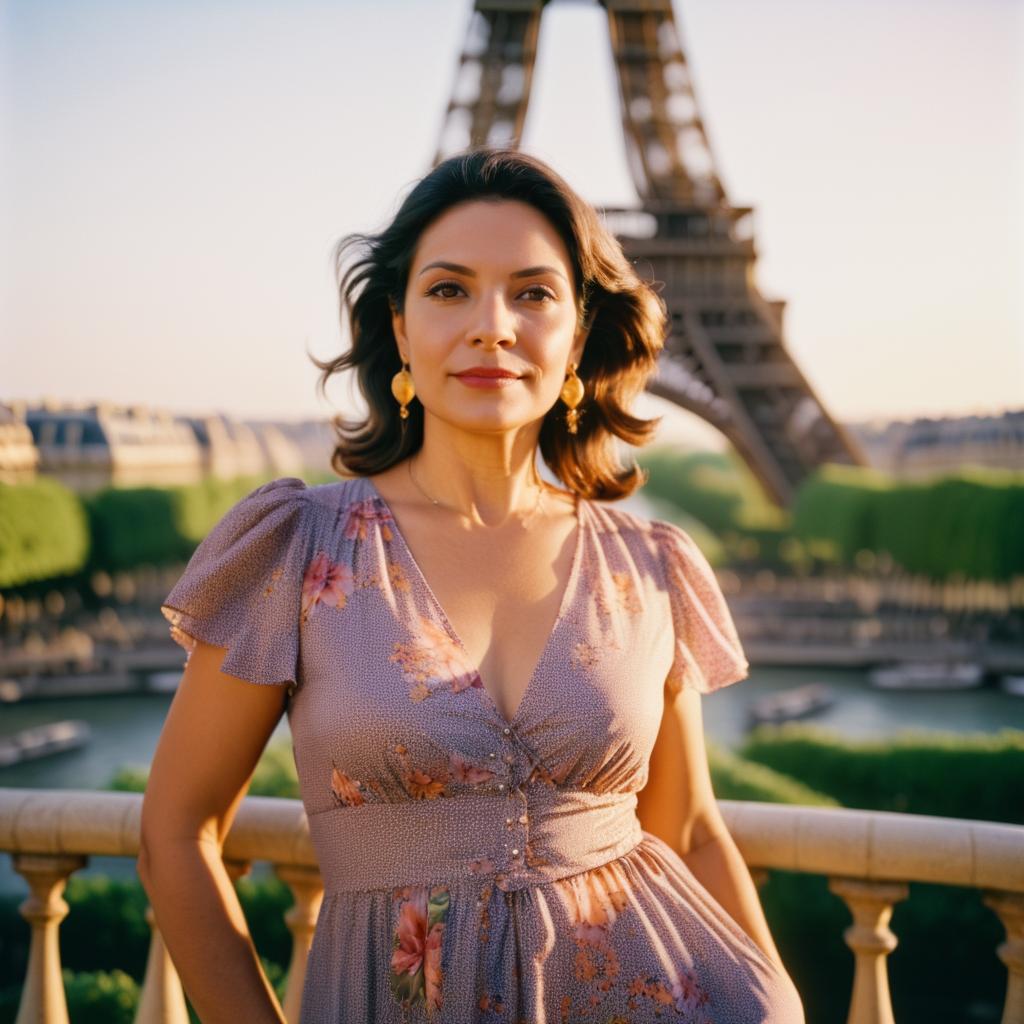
90	445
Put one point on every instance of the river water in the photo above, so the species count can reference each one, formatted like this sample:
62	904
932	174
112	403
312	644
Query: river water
125	728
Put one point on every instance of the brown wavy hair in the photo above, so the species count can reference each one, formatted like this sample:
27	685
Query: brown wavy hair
626	317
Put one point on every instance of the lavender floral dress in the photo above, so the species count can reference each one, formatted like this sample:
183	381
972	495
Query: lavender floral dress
477	869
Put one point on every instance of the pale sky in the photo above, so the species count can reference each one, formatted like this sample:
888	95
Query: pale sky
175	173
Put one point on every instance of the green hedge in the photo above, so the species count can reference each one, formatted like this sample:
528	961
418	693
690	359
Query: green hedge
723	507
965	524
133	526
735	778
951	775
44	532
716	488
49	532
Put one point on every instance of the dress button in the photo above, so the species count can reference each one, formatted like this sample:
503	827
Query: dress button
492	754
508	821
501	785
515	853
506	730
522	818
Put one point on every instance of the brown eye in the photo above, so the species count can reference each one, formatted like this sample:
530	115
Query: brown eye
538	293
443	286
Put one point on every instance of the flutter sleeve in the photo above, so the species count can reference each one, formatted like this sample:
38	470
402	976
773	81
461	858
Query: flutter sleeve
242	587
708	652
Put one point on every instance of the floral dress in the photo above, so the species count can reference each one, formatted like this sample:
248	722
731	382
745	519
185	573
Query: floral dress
478	869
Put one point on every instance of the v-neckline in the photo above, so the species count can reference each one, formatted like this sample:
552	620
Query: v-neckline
563	606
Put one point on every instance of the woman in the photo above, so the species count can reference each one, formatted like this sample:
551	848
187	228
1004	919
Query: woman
493	684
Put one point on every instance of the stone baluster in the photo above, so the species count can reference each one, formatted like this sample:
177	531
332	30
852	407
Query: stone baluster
42	996
1009	907
308	890
869	937
162	1000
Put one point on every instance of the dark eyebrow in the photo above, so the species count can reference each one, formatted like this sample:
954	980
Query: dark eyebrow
533	271
457	268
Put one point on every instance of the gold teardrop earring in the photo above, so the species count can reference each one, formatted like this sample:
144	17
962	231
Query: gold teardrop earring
572	394
403	389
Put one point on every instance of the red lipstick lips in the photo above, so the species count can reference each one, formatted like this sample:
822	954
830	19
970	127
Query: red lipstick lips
486	371
487	377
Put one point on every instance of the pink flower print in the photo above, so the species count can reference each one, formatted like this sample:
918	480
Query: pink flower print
687	993
416	975
585	655
397	576
420	785
423	786
274	577
449	659
625	589
432	659
481	866
492	1003
325	582
555	776
345	789
362	513
595	898
534	859
463	771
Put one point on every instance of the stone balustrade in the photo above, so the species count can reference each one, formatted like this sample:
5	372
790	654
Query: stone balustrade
869	858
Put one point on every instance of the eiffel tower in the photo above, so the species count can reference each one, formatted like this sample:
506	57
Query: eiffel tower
725	357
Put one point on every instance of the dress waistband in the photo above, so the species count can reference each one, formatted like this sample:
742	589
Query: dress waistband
386	845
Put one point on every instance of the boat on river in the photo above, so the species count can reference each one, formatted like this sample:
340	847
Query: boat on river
928	675
785	705
1013	685
43	740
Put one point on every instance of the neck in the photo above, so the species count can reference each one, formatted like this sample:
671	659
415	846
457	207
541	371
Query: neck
486	487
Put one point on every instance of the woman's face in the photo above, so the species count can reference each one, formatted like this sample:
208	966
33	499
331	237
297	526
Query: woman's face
490	285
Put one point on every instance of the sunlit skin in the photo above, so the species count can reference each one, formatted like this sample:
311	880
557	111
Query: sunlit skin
491	283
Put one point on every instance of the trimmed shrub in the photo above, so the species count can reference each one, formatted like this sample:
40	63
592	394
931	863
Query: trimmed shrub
951	775
44	532
716	488
101	997
106	926
964	524
133	526
735	778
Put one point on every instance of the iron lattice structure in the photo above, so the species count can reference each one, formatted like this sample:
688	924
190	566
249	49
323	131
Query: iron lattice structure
725	357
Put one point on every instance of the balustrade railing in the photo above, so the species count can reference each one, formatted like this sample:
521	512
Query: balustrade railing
869	858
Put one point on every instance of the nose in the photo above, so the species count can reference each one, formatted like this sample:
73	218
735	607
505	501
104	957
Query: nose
494	322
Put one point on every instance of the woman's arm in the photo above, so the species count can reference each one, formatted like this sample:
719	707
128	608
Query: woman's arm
678	806
215	731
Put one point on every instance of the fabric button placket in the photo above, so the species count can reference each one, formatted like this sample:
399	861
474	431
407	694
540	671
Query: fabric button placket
516	834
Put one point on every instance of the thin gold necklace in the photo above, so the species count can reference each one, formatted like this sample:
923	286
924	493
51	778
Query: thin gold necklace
525	522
